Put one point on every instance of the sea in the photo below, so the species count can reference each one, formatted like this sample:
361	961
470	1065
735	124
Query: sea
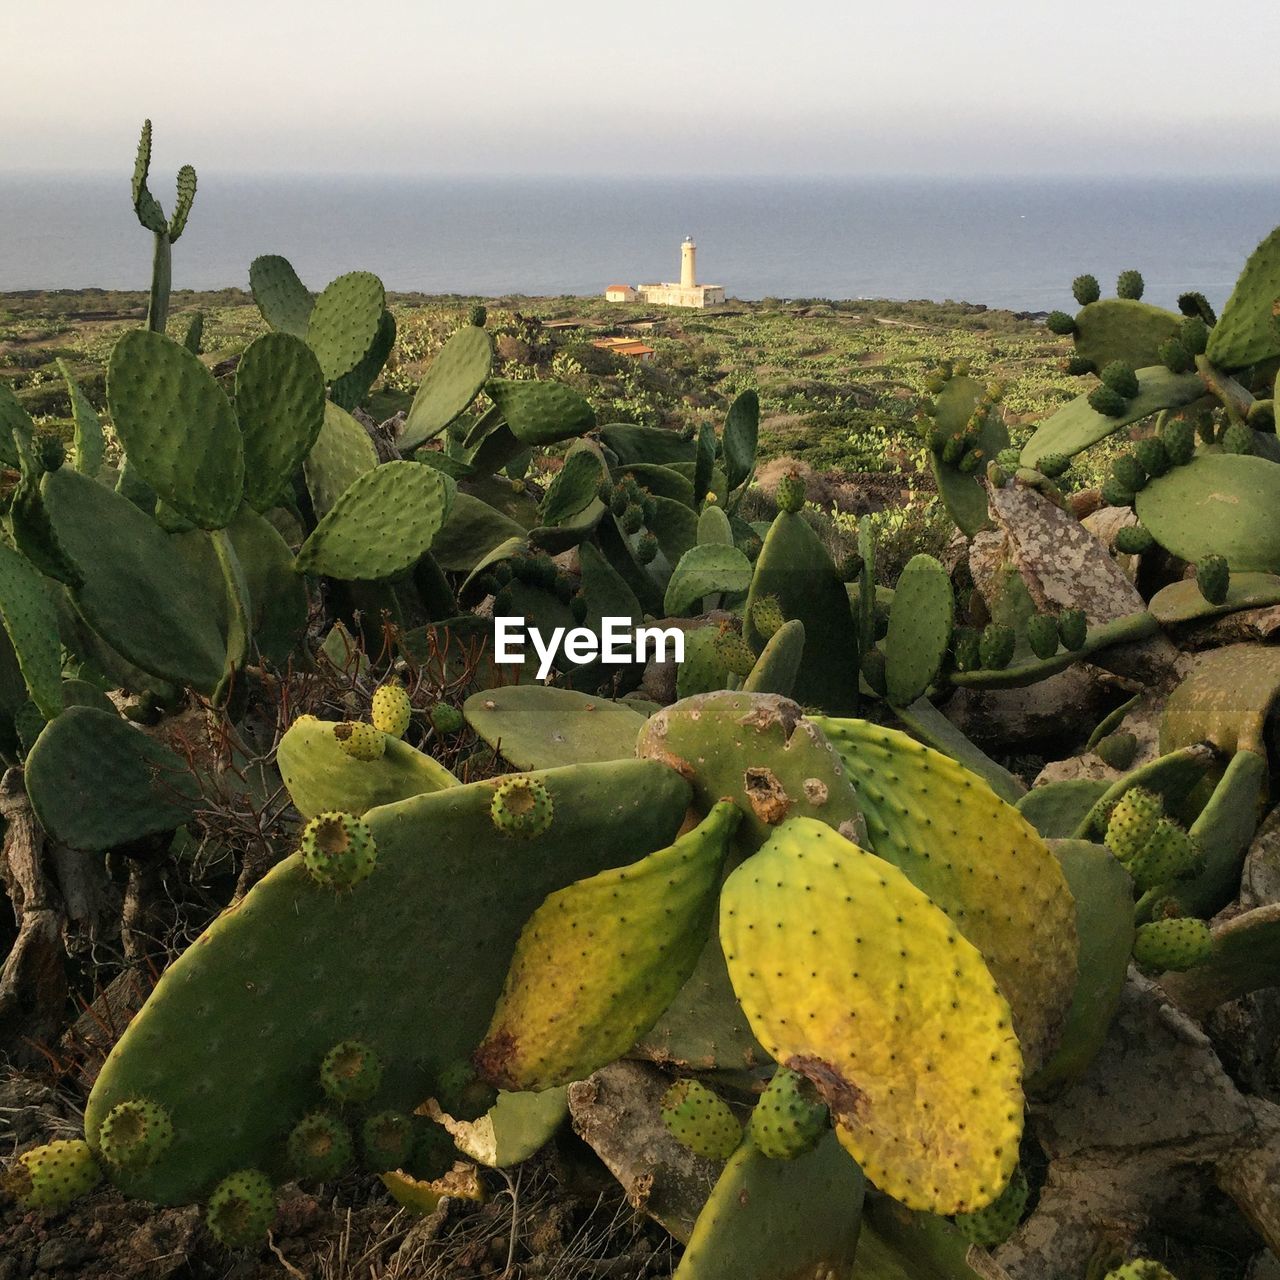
1005	242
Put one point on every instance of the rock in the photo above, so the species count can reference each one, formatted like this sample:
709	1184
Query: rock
1065	706
62	1254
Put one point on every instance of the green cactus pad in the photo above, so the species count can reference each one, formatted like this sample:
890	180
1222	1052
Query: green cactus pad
1224	700
283	299
53	1176
850	975
344	322
96	781
1132	822
789	1117
738	443
1168	854
986	866
703	670
177	427
281	407
321	777
221	1042
710	569
599	961
381	524
352	388
757	750
646	445
31	623
1117	750
1219	504
1213	578
541	412
964	495
795	568
90	444
778	665
1172	944
999	1220
714	528
452	381
1103	894
928	725
700	1120
341	454
574	487
1076	426
1246	332
1123	329
919	630
769	1218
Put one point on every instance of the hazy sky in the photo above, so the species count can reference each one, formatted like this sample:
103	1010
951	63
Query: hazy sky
646	86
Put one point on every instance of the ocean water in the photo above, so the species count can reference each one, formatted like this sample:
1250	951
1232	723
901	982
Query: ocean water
1005	242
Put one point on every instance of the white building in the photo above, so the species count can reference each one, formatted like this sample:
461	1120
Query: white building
688	293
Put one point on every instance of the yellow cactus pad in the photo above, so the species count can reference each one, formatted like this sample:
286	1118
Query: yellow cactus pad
980	860
851	976
599	961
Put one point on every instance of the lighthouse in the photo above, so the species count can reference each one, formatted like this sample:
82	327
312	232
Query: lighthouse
688	264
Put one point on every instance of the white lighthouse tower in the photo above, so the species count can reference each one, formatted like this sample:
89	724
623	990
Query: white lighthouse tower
688	264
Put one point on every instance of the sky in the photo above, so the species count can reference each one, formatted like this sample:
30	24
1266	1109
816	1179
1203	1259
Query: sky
678	87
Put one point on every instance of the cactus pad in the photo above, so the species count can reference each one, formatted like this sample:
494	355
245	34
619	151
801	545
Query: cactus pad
541	412
344	322
177	426
1246	332
851	976
341	454
1213	578
919	630
985	866
283	299
1133	822
1172	944
700	1120
789	1117
599	961
381	524
452	381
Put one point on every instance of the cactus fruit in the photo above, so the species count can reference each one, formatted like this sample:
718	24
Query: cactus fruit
632	519
52	1176
646	548
391	709
1119	375
388	1140
1140	1269
134	1134
521	808
1172	944
1175	357
1134	540
319	1147
1052	465
766	616
1133	822
359	740
790	494
1213	577
1114	494
338	850
1152	456
242	1209
1085	289
1194	335
1237	438
700	1120
1107	401
995	649
1168	854
1130	284
1073	629
734	652
1042	635
462	1093
351	1072
1127	471
999	1220
1010	459
1061	323
1117	750
445	718
1179	438
789	1116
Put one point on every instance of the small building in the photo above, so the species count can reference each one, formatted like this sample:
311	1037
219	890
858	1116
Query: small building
688	293
625	347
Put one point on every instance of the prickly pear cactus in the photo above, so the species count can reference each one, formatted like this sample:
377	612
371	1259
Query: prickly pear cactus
1173	944
522	808
338	850
700	1120
242	1209
135	1134
789	1117
360	741
1133	822
51	1177
999	1220
919	633
851	976
391	709
319	1147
